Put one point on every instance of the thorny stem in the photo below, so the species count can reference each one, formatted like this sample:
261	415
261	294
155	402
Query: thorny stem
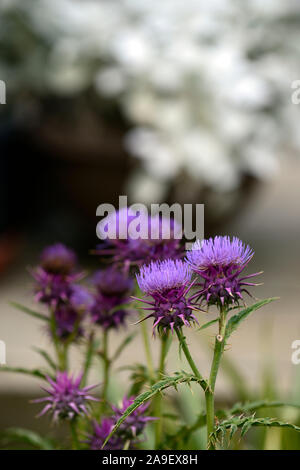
165	343
209	394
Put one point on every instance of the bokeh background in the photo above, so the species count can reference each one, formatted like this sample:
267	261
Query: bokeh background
167	101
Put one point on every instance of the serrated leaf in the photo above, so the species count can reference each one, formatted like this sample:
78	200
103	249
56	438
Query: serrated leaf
257	405
30	312
154	389
233	430
12	435
245	428
234	321
245	423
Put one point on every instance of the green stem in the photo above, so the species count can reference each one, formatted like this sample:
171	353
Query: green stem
148	351
60	354
64	356
210	417
165	343
126	445
189	358
88	359
74	436
209	394
106	366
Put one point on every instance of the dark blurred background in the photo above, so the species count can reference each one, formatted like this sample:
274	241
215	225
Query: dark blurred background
168	101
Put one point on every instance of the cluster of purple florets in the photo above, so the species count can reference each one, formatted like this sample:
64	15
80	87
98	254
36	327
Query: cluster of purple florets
174	287
135	239
113	289
66	399
167	282
212	269
218	264
56	286
129	431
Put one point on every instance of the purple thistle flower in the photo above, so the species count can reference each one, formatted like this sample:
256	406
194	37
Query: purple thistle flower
100	433
55	274
168	283
113	289
81	300
219	262
135	423
150	238
51	288
112	282
58	259
66	399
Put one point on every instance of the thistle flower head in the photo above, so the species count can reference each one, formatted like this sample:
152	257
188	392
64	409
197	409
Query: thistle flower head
113	289
66	399
219	262
100	433
167	282
55	274
112	282
219	251
163	276
104	314
51	288
58	259
138	238
135	423
81	300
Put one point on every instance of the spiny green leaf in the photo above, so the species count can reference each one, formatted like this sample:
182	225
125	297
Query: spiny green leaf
256	405
245	428
31	438
156	388
234	321
245	423
30	312
233	430
22	370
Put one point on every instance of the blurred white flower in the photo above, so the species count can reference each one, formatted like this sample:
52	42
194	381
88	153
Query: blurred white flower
110	81
205	85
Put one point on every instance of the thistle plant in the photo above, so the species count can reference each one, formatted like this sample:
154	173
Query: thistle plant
171	290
